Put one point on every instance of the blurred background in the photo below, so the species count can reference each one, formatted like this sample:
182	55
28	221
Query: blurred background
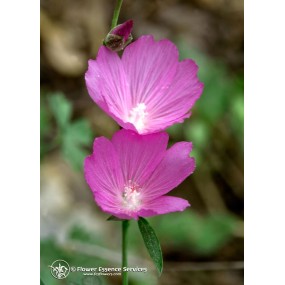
202	245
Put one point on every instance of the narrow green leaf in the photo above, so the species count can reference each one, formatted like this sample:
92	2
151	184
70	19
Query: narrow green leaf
152	243
115	219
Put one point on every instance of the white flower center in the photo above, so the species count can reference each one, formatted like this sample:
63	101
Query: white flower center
131	196
138	116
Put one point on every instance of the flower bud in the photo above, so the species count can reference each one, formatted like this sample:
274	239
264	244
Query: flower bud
119	37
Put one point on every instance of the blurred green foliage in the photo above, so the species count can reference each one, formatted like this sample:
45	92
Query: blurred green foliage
221	101
61	108
71	137
203	235
79	233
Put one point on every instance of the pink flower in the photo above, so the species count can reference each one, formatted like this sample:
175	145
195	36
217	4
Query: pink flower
148	89
130	175
119	37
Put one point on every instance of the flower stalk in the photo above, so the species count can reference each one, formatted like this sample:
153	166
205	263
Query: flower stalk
125	226
116	13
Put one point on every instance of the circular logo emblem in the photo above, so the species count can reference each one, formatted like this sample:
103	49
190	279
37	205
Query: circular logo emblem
59	269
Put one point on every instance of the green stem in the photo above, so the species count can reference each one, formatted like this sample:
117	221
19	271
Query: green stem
125	225
116	13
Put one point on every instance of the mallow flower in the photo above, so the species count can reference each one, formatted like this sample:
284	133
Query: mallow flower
131	174
147	89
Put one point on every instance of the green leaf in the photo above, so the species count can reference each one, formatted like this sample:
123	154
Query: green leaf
61	109
75	137
74	154
42	283
115	219
152	243
79	132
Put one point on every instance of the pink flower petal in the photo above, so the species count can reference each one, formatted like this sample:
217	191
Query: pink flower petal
111	206
139	155
106	78
163	205
172	170
94	84
150	67
103	174
179	98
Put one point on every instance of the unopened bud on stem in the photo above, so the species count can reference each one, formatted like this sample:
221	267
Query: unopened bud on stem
119	37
